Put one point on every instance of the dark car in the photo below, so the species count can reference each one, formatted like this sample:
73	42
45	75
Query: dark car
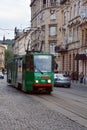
62	80
1	75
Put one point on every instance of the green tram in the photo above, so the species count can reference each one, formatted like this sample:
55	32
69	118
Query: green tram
31	72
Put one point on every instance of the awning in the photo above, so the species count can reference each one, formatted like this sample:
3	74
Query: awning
80	57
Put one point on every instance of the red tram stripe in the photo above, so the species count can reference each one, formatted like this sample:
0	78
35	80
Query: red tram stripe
43	85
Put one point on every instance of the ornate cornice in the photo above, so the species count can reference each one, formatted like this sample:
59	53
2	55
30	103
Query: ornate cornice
32	3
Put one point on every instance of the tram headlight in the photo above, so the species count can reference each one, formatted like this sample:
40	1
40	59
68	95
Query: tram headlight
49	81
36	81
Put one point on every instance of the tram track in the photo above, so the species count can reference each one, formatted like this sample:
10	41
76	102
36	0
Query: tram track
70	108
78	98
73	93
67	105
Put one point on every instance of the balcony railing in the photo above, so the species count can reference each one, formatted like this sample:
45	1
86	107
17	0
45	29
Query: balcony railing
83	13
51	4
61	48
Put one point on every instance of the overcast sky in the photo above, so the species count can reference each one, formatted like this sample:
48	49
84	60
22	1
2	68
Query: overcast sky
13	13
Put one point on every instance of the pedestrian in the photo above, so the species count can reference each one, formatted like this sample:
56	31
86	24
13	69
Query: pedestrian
67	73
81	77
3	70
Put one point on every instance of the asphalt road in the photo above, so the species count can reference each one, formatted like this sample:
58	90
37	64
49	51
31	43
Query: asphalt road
20	111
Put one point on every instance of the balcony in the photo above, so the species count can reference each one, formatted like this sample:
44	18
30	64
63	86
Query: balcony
50	4
61	48
83	17
83	13
81	57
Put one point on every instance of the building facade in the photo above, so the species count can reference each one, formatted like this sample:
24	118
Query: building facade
45	23
60	27
21	43
2	56
75	29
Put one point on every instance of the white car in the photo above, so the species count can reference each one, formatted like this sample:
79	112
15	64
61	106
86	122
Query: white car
62	80
1	75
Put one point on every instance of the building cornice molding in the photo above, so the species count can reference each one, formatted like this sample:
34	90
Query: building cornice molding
32	3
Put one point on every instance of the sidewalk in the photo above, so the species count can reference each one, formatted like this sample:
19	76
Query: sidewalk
77	82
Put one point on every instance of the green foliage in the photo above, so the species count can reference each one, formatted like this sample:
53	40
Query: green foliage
8	55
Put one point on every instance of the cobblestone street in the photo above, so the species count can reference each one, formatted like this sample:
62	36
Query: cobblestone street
20	111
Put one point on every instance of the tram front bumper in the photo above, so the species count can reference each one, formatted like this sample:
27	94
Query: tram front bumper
42	87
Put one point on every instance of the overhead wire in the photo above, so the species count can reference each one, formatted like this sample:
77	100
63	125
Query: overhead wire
6	29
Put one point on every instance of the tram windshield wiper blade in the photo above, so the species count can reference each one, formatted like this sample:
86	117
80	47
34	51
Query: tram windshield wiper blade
39	70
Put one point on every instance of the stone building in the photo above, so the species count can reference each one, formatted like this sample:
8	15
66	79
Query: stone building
2	56
60	27
75	32
21	41
45	23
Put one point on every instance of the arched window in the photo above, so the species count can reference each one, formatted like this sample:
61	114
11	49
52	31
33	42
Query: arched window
71	13
78	9
75	10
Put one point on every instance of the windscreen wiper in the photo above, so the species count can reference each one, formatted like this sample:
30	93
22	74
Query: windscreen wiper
39	70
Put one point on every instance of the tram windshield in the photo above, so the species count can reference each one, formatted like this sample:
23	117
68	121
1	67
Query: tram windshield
43	63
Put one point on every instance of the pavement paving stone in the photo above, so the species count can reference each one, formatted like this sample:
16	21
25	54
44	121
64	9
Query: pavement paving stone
77	83
20	111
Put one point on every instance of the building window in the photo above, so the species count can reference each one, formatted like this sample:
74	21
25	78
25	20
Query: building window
63	62
86	37
43	46
42	16
65	18
77	33
70	62
44	1
53	30
83	36
84	10
73	62
70	13
75	10
70	39
52	47
53	2
70	32
78	9
52	14
74	33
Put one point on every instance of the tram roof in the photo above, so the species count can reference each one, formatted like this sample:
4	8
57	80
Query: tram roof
32	53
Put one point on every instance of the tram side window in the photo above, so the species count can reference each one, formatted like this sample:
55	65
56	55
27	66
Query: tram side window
29	64
20	65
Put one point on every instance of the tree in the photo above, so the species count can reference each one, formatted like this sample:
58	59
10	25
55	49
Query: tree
8	55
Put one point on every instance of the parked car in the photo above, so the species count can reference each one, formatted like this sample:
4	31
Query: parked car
1	75
62	80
